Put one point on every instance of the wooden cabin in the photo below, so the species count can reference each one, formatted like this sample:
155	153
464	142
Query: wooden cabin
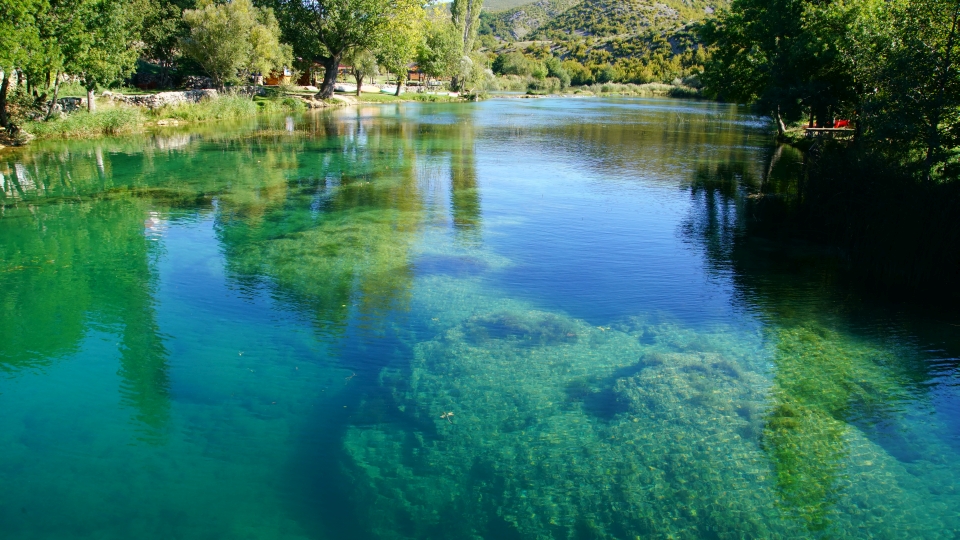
276	78
414	75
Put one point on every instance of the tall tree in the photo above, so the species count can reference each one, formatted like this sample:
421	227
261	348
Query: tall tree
234	39
916	104
364	65
19	39
108	45
784	54
401	39
163	30
466	18
325	30
442	48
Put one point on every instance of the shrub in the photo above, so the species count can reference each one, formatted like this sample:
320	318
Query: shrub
548	85
282	105
579	75
539	71
513	63
555	69
512	83
608	74
106	121
222	108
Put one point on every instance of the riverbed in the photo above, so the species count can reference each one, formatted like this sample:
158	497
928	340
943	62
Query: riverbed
509	319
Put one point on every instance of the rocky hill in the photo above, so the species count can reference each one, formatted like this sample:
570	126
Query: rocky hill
517	23
494	6
566	19
602	18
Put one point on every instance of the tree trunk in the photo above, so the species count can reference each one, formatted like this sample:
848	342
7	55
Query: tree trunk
4	88
91	101
330	66
56	95
359	79
781	128
400	81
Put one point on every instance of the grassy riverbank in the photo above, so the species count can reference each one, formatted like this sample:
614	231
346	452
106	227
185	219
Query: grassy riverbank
112	119
552	86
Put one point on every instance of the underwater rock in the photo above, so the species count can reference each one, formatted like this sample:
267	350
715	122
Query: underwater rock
601	436
529	328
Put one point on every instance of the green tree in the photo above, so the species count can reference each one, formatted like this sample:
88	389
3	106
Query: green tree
163	30
401	39
513	63
915	108
475	75
236	38
555	69
579	75
441	50
364	65
787	55
325	30
107	47
19	39
466	19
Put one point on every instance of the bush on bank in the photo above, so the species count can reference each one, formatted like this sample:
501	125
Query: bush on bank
107	121
123	119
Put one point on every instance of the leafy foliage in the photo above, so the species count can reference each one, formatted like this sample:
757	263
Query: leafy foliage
364	64
234	38
440	52
325	30
892	66
400	41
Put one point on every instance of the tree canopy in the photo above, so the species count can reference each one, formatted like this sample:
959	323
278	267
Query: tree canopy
891	65
324	30
235	38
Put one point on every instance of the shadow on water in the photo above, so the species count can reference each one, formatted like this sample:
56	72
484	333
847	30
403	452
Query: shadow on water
844	360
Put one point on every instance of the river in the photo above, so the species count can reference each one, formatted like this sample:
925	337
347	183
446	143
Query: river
510	319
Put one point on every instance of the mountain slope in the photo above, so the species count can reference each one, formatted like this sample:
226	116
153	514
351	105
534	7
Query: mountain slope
603	18
494	6
519	22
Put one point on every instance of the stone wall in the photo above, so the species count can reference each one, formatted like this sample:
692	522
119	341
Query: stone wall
155	101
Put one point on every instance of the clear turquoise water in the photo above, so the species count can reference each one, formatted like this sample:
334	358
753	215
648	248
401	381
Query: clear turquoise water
261	330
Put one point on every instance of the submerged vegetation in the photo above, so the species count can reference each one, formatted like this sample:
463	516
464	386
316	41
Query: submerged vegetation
641	429
448	406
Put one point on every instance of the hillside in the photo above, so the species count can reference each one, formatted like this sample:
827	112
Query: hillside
502	5
602	18
565	19
519	22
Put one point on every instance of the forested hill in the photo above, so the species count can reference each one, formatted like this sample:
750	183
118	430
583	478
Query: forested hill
519	22
564	19
503	5
601	18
